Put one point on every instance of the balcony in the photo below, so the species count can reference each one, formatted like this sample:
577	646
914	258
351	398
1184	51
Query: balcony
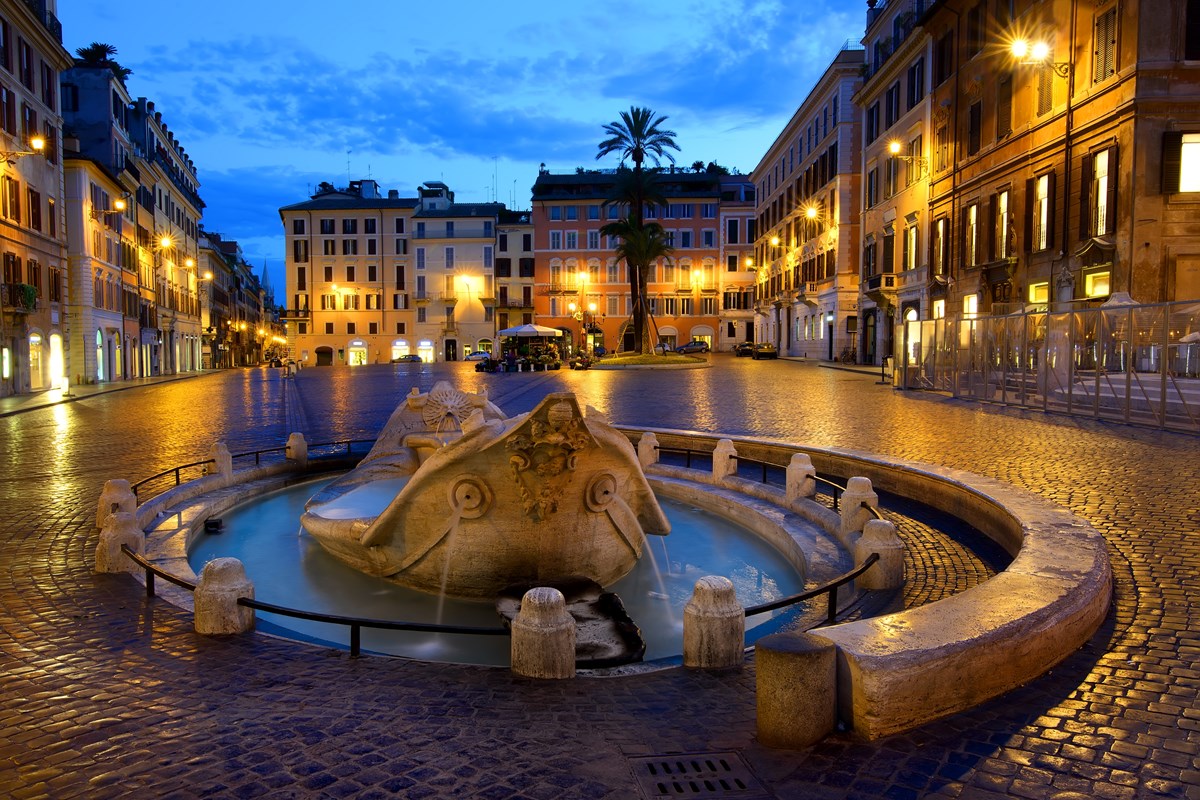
880	288
475	232
18	297
51	23
514	302
294	313
807	293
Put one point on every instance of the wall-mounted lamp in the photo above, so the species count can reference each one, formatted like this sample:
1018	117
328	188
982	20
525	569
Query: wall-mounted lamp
919	162
1038	54
36	145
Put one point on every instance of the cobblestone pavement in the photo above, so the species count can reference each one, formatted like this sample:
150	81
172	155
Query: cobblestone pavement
106	695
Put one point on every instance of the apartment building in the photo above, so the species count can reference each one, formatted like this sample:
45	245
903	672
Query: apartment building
895	282
515	267
102	179
585	292
1064	172
34	327
454	259
809	203
737	232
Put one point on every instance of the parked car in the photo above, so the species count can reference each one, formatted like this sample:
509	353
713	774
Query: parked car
410	358
478	355
694	346
744	349
765	350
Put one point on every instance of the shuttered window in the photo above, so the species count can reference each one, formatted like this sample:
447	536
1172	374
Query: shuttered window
1105	55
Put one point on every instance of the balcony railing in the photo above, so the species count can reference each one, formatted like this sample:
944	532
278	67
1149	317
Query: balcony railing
457	233
295	313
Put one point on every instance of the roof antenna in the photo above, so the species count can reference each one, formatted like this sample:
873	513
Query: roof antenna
347	167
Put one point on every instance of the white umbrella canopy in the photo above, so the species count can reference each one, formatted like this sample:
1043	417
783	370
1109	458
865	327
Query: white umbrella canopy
531	330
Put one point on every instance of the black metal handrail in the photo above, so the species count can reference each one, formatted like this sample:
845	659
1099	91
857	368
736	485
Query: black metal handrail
828	588
135	487
356	624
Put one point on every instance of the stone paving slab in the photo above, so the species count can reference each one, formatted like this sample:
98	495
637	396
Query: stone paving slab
107	694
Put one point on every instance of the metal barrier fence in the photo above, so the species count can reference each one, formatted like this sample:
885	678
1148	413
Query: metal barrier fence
1137	364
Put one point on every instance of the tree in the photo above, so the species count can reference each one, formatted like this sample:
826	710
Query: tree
640	246
637	136
98	54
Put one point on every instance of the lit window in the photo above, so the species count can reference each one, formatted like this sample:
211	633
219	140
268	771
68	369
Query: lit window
1041	213
1100	193
972	235
970	306
1097	284
1189	166
939	309
1002	225
1039	293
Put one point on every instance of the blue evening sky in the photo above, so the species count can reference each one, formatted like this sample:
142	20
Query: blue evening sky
270	98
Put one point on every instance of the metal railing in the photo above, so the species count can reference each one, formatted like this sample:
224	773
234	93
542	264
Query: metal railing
356	624
176	471
830	589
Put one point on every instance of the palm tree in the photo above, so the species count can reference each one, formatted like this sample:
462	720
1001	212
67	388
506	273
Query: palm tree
637	136
98	54
640	246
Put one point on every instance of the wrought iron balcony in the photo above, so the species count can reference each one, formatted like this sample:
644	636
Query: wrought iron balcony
19	297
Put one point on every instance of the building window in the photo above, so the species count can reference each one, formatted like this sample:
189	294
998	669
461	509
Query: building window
1039	293
1098	284
420	313
1040	209
975	29
1045	98
731	231
328	272
1191	27
943	58
916	83
974	127
1101	201
556	240
369	225
572	238
891	105
1002	221
942	147
593	240
940	246
349	227
298	227
420	258
873	122
555	213
449	258
327	227
350	273
873	187
971	235
1105	51
328	247
912	240
372	247
891	176
349	247
300	251
329	327
1004	105
970	306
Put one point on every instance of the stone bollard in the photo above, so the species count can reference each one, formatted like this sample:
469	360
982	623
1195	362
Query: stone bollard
724	460
120	528
714	626
879	536
801	477
222	582
647	450
116	496
222	461
297	449
854	516
796	682
543	636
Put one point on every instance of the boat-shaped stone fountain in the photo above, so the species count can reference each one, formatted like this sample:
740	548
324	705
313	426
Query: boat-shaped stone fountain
457	499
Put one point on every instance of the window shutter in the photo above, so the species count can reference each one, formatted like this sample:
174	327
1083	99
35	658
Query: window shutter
1052	198
1172	161
1111	203
1030	202
1087	203
992	222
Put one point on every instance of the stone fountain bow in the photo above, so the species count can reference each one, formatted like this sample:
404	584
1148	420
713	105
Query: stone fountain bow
489	501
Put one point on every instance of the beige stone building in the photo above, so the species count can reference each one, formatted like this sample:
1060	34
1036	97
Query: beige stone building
34	330
350	283
808	233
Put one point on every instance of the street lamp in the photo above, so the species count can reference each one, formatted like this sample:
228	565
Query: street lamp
916	160
36	145
1038	54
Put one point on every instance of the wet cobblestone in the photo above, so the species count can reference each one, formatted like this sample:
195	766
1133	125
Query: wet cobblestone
107	695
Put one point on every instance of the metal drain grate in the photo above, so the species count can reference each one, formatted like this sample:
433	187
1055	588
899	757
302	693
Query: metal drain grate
696	775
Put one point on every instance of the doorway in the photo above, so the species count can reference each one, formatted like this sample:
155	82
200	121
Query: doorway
452	350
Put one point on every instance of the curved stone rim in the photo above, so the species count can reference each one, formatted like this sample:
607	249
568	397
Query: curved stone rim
902	670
